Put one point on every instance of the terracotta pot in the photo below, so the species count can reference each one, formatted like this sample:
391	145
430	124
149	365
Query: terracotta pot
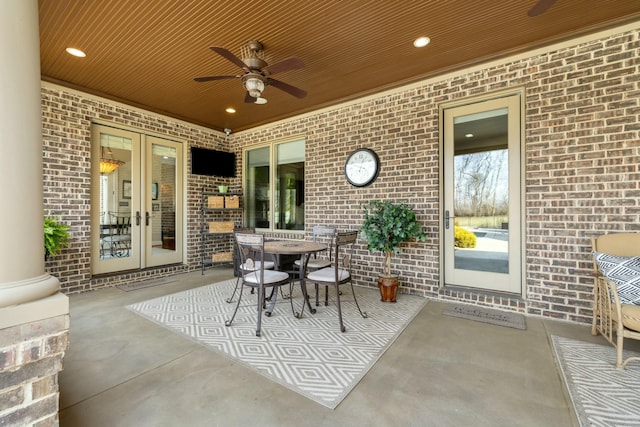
388	286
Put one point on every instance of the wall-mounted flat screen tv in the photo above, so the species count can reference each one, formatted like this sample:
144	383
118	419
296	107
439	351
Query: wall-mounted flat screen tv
213	162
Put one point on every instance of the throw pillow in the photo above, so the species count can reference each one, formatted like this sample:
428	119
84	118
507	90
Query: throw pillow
624	272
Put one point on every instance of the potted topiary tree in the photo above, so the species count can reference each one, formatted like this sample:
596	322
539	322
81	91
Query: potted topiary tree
56	236
386	225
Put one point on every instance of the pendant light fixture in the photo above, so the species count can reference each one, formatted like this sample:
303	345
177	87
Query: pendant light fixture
107	164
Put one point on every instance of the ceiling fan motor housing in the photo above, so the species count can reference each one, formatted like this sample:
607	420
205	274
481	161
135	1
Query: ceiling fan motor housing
254	63
253	55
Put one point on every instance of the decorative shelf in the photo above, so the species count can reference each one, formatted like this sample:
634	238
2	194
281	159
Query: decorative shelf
220	229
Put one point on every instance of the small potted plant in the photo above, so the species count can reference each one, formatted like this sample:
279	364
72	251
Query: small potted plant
387	225
56	237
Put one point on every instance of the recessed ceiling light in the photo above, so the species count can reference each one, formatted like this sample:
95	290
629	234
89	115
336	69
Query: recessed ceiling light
421	41
260	100
469	135
75	52
230	110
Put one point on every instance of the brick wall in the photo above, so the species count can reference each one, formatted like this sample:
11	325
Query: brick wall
582	157
30	359
66	135
582	149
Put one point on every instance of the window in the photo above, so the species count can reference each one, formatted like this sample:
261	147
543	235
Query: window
274	186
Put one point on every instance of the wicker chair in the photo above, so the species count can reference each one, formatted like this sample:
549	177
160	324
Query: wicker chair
616	308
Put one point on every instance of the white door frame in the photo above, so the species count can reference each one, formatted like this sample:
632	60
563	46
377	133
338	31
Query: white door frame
140	204
485	281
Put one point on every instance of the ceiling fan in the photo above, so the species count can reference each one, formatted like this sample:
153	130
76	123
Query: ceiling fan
540	7
257	72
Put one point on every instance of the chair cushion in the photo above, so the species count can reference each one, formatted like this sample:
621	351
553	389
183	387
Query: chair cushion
328	274
315	264
253	266
624	272
270	277
631	317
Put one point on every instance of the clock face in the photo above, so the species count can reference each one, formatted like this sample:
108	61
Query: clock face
362	167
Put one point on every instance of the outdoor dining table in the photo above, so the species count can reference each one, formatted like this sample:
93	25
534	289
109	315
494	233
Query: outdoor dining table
304	249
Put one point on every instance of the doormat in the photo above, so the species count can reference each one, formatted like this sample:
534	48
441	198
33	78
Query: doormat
128	287
601	394
486	315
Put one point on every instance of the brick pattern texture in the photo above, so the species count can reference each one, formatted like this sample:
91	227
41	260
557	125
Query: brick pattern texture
30	360
582	163
67	117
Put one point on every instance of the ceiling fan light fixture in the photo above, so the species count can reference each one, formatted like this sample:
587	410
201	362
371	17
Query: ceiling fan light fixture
260	100
254	86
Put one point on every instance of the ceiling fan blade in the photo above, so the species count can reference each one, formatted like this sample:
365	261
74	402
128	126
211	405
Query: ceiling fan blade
291	90
540	7
229	56
248	98
284	65
211	78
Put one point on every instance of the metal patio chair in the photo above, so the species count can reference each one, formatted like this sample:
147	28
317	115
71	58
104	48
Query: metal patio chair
325	234
340	272
254	275
269	265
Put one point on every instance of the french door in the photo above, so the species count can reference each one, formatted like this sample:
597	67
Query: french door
482	218
136	200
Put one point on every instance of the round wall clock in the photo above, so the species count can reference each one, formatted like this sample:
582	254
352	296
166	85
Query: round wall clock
362	167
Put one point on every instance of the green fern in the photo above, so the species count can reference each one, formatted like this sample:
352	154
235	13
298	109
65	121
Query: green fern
56	236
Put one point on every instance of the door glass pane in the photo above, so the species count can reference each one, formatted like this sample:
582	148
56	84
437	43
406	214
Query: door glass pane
481	192
115	197
257	188
163	198
289	200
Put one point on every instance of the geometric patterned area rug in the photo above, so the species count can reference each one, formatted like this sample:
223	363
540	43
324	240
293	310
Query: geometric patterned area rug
601	394
309	355
486	315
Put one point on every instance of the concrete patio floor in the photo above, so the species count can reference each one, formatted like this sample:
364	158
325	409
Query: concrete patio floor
122	370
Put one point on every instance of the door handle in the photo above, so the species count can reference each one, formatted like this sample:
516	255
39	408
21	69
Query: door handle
146	218
446	219
137	217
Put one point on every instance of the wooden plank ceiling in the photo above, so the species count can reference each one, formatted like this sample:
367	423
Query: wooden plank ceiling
146	53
